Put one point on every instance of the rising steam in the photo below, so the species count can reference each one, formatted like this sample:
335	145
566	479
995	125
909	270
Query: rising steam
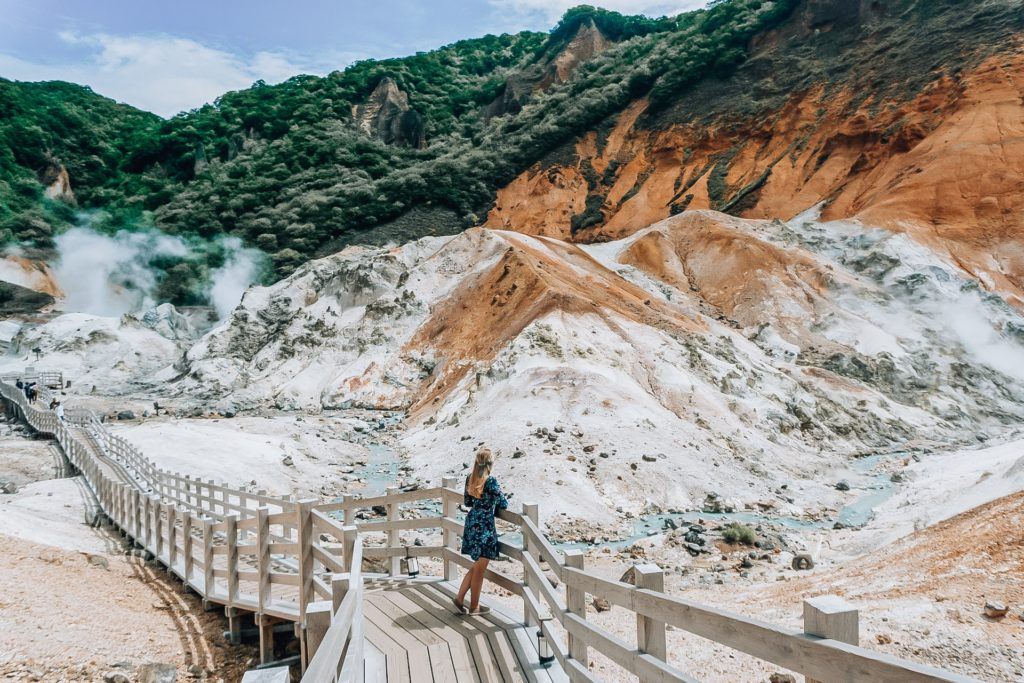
228	283
111	275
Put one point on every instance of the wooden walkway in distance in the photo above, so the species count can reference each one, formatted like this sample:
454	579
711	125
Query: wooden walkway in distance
413	634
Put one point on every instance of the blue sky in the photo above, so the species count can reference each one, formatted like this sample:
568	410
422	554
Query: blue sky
172	56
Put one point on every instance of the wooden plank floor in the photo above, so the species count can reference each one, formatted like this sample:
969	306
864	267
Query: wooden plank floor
413	634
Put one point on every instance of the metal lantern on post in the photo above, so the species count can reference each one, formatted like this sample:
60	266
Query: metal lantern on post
410	565
544	649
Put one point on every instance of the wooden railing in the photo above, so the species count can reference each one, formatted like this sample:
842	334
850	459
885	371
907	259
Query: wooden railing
281	558
817	652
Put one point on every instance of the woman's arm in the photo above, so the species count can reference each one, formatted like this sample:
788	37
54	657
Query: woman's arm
500	502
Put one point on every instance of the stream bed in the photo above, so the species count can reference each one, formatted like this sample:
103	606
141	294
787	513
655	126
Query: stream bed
382	469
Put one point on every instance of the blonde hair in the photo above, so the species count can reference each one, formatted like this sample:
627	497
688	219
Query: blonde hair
482	466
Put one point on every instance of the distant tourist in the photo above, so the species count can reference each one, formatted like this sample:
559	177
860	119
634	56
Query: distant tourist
20	384
480	539
58	410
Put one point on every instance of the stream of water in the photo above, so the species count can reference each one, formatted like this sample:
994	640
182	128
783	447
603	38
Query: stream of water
382	470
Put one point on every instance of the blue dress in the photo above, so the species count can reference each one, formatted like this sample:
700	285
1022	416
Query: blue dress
480	538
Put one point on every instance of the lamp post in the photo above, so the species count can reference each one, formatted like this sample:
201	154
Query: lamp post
412	565
544	649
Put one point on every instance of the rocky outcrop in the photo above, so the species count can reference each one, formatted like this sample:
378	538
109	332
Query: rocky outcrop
15	300
58	183
386	115
31	273
585	45
588	42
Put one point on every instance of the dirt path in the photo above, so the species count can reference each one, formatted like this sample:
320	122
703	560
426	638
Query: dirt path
74	606
71	615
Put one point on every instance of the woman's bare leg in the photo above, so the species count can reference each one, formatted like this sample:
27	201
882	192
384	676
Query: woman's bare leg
480	567
467	581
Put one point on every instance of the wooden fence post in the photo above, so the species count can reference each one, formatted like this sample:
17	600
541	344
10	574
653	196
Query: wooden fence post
450	508
231	521
829	616
158	528
212	495
172	535
263	554
340	586
186	530
208	580
531	511
350	508
650	634
393	535
576	602
136	499
304	534
147	522
348	545
120	491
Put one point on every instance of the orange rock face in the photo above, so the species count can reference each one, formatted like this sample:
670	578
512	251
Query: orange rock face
946	166
717	258
530	279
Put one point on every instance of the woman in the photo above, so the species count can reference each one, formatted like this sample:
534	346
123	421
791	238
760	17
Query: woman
480	539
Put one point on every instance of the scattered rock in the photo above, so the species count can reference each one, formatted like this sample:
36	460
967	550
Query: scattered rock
600	604
996	610
781	678
288	462
649	458
8	487
842	485
126	415
97	560
803	561
380	510
115	677
883	639
157	673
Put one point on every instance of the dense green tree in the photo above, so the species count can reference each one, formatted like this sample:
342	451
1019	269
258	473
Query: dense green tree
284	168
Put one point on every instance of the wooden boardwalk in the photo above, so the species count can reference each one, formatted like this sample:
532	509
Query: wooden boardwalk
301	562
413	635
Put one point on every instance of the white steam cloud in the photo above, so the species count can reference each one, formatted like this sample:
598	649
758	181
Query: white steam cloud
228	283
111	275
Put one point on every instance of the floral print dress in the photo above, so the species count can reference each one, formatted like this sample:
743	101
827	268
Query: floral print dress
480	538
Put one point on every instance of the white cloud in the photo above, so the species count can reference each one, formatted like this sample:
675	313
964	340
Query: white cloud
164	74
552	10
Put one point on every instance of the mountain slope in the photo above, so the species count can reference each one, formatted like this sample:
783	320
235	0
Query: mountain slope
286	168
845	107
902	112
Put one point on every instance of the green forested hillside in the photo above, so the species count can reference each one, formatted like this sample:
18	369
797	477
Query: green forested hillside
42	124
284	168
